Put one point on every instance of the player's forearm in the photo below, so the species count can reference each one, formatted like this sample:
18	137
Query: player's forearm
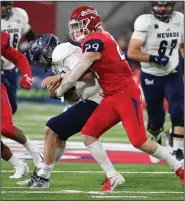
69	81
19	60
138	55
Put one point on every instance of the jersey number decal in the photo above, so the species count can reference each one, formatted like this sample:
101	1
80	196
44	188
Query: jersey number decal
15	40
94	46
122	56
163	45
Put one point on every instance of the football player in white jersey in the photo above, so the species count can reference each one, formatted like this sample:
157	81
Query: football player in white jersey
47	51
14	21
155	43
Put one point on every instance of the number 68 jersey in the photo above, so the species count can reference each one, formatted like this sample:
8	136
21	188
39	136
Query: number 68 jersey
113	70
160	39
17	25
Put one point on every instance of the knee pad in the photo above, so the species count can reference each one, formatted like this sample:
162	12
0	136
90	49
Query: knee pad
7	131
155	128
177	122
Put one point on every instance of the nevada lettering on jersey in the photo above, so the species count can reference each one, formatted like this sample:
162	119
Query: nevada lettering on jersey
14	30
168	35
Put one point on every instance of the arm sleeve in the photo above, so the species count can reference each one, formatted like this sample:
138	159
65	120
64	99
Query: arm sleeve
140	35
25	21
142	27
18	59
76	73
182	28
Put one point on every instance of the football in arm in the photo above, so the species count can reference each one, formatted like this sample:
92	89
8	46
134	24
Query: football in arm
71	95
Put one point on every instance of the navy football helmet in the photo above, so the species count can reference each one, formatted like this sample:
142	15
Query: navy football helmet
41	50
164	14
6	9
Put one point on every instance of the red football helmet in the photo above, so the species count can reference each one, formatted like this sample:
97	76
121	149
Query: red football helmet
84	21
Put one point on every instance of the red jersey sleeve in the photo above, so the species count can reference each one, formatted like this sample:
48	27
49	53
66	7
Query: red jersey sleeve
14	55
94	42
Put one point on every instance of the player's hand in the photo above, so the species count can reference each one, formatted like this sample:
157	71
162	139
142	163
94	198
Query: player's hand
26	82
50	80
53	87
160	60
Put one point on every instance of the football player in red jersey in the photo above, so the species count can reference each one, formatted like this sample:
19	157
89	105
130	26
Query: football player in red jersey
8	129
122	97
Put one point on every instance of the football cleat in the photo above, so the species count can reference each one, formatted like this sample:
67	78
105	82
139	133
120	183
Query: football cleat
20	171
28	182
111	183
153	159
178	154
180	174
39	182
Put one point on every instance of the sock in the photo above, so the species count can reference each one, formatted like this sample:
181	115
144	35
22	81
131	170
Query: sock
178	144
15	161
97	151
59	154
45	171
163	154
34	152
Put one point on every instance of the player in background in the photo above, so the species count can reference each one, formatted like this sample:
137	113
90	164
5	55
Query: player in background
155	43
47	51
8	129
122	96
15	22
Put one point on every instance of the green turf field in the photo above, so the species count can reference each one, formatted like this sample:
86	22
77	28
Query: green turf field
70	181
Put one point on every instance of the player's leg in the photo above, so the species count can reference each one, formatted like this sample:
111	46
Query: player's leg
9	79
61	128
103	118
21	168
174	92
137	134
153	89
10	131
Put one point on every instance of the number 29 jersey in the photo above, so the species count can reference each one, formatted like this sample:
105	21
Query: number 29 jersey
17	25
160	39
112	69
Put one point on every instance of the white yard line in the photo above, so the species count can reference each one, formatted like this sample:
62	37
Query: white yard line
32	191
94	172
125	196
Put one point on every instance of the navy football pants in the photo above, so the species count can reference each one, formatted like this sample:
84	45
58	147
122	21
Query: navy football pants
155	88
72	121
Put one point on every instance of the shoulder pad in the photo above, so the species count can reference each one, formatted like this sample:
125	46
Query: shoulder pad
97	35
143	22
179	15
21	15
64	50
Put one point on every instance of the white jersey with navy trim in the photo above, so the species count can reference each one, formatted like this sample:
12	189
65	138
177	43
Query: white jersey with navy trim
64	57
160	39
17	25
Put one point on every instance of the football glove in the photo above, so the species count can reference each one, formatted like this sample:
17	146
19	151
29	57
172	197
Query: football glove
160	60
26	82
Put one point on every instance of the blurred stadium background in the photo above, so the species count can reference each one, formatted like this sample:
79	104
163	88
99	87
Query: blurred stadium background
35	108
